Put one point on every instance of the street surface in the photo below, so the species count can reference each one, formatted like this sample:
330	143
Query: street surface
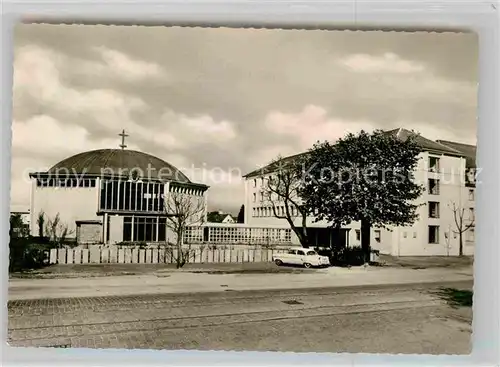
206	280
405	318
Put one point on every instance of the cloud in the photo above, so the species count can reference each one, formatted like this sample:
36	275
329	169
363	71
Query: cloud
37	75
264	156
126	67
312	124
227	188
61	140
194	130
387	63
39	143
235	97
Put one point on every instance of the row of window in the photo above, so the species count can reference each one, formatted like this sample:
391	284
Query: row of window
434	166
434	210
262	196
377	235
434	235
131	196
433	188
269	212
237	235
144	229
66	182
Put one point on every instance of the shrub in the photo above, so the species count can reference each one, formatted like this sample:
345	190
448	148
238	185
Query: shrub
26	255
345	256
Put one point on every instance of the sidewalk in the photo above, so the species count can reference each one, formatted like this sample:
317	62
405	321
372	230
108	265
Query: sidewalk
184	282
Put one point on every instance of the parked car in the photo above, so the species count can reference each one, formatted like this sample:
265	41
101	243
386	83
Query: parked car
301	256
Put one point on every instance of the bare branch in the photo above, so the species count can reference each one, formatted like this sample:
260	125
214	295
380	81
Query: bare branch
283	184
184	211
461	227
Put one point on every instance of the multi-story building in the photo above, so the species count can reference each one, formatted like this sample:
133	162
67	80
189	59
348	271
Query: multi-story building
446	170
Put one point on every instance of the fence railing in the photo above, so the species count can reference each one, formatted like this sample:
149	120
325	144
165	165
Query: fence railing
158	255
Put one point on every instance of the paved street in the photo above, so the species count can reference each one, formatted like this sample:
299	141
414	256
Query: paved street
165	281
377	318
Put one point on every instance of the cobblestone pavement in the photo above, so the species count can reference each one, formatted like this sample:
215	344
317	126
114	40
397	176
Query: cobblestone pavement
397	319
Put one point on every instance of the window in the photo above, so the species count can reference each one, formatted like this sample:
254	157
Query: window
433	209
434	234
134	196
405	234
261	196
414	234
433	186
254	197
434	164
300	252
471	214
471	194
471	235
144	229
311	253
254	183
291	252
377	235
358	235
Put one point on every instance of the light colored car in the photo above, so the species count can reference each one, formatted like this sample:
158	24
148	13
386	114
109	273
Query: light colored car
301	256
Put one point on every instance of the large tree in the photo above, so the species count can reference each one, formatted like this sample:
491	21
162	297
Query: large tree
366	177
280	193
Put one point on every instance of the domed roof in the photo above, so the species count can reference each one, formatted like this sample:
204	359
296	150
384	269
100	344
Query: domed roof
119	162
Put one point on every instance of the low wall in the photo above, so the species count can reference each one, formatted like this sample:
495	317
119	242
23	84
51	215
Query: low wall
115	255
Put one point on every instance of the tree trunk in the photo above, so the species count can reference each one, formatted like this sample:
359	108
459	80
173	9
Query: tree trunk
365	239
303	238
179	261
460	244
337	237
300	232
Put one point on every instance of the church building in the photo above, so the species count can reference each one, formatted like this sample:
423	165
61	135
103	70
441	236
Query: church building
110	196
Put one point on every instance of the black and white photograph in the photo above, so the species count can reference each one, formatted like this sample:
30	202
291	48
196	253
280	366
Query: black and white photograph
242	189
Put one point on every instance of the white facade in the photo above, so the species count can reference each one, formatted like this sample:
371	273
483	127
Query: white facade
71	203
78	206
415	240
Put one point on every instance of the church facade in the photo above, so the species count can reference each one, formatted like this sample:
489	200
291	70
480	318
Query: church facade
110	196
447	172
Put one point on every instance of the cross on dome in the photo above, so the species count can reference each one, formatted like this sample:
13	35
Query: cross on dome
123	135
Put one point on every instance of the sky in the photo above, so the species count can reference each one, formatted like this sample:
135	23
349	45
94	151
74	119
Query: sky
218	103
